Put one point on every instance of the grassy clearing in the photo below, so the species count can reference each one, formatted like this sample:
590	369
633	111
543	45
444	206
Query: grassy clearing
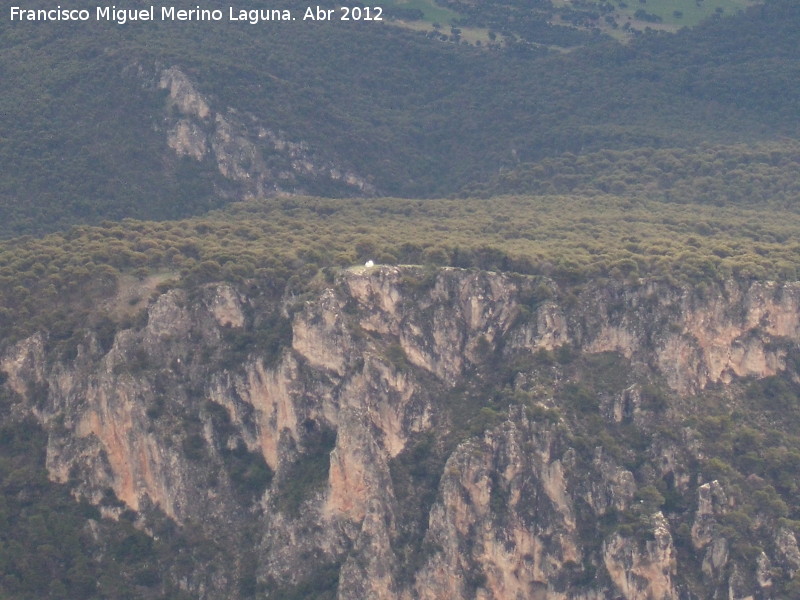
433	13
627	16
664	15
674	14
691	12
444	18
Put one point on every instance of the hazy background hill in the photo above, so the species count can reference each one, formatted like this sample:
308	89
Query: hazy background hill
85	125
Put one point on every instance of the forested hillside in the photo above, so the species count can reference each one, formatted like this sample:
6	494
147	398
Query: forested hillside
760	175
85	125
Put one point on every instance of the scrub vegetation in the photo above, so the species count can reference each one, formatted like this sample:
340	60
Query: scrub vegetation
60	280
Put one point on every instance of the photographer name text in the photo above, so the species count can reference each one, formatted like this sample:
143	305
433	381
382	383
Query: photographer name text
122	16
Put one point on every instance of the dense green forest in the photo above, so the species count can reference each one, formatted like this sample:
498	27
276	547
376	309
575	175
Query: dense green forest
58	280
759	175
82	122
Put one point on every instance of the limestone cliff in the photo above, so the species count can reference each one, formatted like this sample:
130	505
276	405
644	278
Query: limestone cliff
407	433
246	151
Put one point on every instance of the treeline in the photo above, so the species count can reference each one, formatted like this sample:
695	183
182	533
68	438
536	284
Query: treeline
57	282
761	174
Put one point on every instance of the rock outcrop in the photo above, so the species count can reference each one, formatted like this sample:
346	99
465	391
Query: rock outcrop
245	151
422	434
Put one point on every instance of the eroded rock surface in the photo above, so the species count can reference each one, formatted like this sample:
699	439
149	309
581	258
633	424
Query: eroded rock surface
245	151
412	436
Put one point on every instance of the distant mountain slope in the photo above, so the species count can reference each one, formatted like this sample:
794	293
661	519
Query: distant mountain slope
86	127
763	174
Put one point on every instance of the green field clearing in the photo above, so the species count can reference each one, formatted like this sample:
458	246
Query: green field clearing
432	11
686	12
666	15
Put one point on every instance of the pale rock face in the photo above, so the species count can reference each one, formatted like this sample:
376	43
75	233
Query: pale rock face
788	551
708	341
354	478
265	398
551	328
24	364
373	359
626	406
392	406
550	332
615	339
238	143
711	503
643	571
523	557
320	335
731	346
375	578
187	139
226	307
763	568
671	459
463	310
183	93
716	557
238	158
615	487
737	586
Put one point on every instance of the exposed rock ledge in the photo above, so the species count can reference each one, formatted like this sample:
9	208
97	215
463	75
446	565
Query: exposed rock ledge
370	359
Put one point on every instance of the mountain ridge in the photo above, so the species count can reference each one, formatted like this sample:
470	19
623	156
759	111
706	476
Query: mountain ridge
384	104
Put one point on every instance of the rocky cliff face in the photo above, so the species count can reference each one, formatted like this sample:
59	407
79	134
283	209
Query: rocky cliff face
405	433
255	157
